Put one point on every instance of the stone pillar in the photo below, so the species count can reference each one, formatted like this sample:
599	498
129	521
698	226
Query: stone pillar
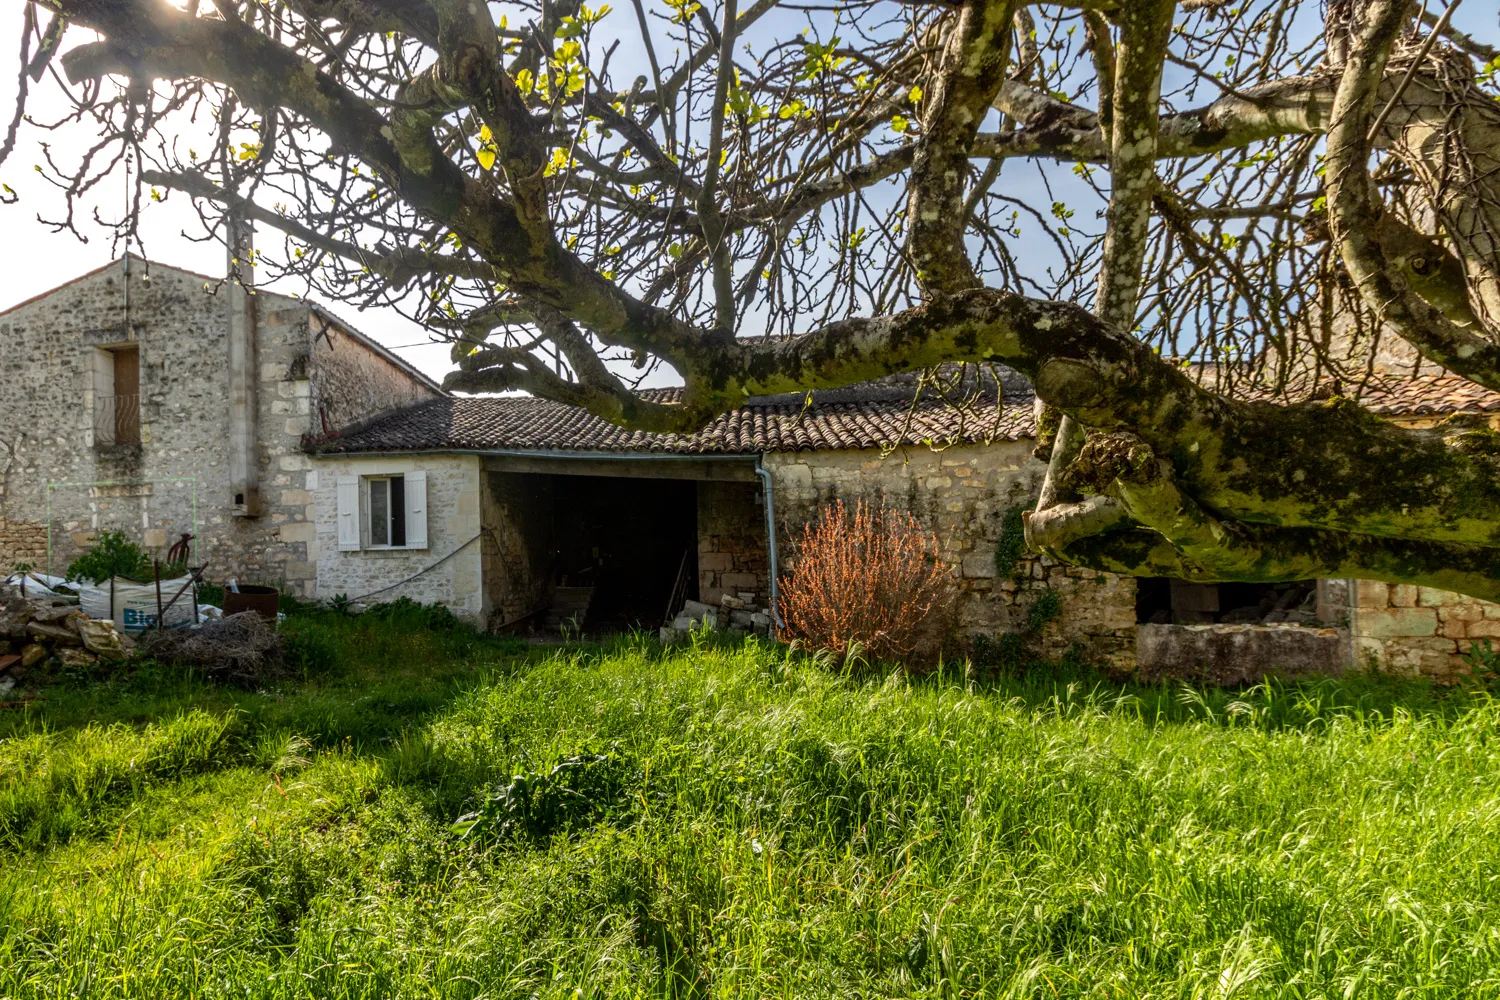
244	479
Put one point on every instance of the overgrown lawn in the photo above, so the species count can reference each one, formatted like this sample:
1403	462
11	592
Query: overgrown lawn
728	823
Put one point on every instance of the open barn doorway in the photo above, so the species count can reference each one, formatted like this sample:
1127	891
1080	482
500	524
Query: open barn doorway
621	548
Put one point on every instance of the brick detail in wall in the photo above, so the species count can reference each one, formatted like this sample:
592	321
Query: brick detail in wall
21	542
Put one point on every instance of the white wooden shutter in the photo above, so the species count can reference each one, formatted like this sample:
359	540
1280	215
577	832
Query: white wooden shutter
416	510
348	513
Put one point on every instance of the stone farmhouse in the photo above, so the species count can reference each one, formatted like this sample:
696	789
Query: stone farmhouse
529	499
158	402
161	402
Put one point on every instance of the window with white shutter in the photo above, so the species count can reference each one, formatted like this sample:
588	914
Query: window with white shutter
348	513
416	510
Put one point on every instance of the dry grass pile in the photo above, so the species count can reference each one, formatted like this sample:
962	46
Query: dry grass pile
242	649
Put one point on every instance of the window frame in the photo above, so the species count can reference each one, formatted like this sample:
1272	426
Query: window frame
395	511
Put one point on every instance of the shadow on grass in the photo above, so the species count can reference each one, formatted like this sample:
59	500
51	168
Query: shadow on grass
368	681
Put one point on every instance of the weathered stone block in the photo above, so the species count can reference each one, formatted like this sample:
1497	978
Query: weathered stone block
1372	594
1485	628
1403	595
1392	622
1235	654
1429	597
54	634
979	565
796	477
100	638
1460	612
75	657
715	562
298	531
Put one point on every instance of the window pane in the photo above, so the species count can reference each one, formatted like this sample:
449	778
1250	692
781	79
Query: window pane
380	512
398	510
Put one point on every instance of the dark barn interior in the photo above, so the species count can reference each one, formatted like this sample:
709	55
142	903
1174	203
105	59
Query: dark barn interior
1165	601
595	545
630	540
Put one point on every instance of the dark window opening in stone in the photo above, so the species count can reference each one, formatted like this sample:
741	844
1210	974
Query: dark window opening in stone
1166	601
388	511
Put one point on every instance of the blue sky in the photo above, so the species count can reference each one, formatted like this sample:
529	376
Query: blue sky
32	258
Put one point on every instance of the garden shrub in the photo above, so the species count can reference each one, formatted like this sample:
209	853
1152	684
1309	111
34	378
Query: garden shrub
867	578
112	554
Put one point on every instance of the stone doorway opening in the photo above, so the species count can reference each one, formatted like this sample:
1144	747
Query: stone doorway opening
628	542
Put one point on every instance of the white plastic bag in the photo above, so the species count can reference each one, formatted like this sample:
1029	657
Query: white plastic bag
135	603
33	587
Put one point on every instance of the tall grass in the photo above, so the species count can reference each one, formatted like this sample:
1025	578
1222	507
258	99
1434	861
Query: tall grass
766	829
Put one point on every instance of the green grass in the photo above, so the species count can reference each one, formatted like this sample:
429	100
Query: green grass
748	827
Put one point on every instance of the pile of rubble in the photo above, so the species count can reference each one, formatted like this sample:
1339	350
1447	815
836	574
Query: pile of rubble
736	616
37	632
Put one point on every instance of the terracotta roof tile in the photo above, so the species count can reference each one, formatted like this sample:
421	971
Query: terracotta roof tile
869	415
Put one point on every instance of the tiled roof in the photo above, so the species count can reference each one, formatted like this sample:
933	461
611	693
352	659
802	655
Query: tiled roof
868	415
1425	395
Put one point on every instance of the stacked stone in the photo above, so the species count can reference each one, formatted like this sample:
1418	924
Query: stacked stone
40	631
1420	630
22	542
735	615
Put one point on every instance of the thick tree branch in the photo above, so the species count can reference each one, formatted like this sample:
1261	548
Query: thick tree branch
1355	212
973	67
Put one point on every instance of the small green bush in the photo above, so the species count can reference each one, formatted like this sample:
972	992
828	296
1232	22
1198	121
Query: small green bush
112	554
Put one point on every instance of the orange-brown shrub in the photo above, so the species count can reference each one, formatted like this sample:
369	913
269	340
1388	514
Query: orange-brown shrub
871	576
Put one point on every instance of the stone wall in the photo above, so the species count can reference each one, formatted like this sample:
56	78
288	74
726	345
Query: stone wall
732	556
1418	630
454	488
21	542
176	480
962	494
350	381
517	556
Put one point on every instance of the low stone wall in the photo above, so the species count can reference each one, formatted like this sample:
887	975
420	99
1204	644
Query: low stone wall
1419	630
1237	654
